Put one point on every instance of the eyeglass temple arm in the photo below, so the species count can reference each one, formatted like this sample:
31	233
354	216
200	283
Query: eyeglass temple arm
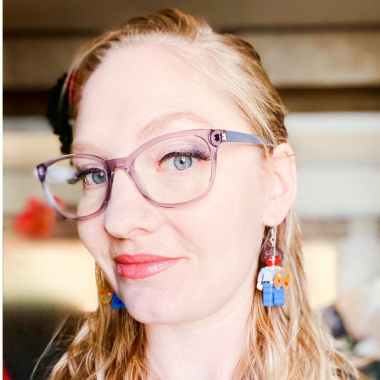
233	136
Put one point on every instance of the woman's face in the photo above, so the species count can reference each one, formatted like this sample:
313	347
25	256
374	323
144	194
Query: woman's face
219	236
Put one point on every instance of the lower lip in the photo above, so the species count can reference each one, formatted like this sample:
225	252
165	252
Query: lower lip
142	270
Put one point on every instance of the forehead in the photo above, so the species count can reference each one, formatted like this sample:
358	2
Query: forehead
141	92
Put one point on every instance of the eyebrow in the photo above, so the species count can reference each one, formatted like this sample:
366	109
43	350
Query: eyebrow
85	147
154	127
160	123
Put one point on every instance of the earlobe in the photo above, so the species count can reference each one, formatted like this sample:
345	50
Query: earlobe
281	185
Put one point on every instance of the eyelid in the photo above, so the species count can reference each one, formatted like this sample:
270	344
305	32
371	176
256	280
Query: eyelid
91	170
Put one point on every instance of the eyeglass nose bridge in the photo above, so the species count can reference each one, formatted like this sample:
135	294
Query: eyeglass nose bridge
121	167
126	164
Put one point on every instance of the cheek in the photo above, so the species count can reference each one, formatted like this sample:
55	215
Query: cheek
225	227
238	196
238	219
93	236
89	232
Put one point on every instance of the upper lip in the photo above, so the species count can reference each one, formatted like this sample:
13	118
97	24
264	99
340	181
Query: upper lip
126	258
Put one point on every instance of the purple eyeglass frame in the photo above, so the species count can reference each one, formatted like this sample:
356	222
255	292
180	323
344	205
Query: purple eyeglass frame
213	137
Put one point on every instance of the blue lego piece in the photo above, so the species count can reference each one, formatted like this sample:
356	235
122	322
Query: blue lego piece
116	302
273	296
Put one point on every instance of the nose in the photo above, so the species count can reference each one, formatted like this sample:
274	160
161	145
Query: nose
124	215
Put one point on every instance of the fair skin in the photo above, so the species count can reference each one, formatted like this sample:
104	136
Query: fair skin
195	313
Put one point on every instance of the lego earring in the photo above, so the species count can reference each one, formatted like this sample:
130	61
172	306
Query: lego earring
106	294
117	303
273	279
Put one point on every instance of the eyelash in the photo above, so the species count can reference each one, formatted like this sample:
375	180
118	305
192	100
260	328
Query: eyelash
196	154
82	173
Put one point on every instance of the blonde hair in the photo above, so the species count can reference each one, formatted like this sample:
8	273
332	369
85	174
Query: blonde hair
282	342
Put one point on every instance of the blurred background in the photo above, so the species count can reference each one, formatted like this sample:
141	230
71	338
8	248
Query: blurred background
324	59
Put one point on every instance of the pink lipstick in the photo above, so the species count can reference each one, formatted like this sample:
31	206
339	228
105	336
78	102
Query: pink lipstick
143	265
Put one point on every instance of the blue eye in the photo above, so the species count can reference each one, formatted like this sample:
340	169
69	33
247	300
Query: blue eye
89	176
184	160
98	177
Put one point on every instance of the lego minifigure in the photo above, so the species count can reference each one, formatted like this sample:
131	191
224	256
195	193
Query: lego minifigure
272	296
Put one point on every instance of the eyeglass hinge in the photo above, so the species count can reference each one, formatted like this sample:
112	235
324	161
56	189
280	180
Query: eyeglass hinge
39	171
219	137
223	136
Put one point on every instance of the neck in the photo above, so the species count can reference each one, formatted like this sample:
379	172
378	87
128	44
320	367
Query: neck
207	349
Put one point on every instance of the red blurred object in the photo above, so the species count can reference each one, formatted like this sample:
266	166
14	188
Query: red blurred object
37	220
5	373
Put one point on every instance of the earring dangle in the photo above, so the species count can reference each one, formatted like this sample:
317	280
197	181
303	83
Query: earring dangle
106	294
273	279
117	303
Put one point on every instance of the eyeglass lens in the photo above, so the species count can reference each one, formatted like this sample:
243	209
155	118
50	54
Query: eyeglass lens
174	170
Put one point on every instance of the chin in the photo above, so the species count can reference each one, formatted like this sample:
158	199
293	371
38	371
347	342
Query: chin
153	313
153	307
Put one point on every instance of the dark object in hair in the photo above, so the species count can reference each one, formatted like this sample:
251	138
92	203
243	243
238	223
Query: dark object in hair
334	322
58	115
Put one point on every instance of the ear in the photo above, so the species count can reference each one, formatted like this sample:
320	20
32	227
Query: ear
281	185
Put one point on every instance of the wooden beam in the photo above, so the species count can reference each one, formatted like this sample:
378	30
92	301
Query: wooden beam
296	99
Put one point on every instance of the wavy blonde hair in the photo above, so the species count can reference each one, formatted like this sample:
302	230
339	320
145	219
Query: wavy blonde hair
281	342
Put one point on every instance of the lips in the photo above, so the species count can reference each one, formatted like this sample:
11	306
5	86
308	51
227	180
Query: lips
143	265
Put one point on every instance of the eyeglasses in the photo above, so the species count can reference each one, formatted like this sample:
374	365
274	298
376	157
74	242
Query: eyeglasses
171	170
